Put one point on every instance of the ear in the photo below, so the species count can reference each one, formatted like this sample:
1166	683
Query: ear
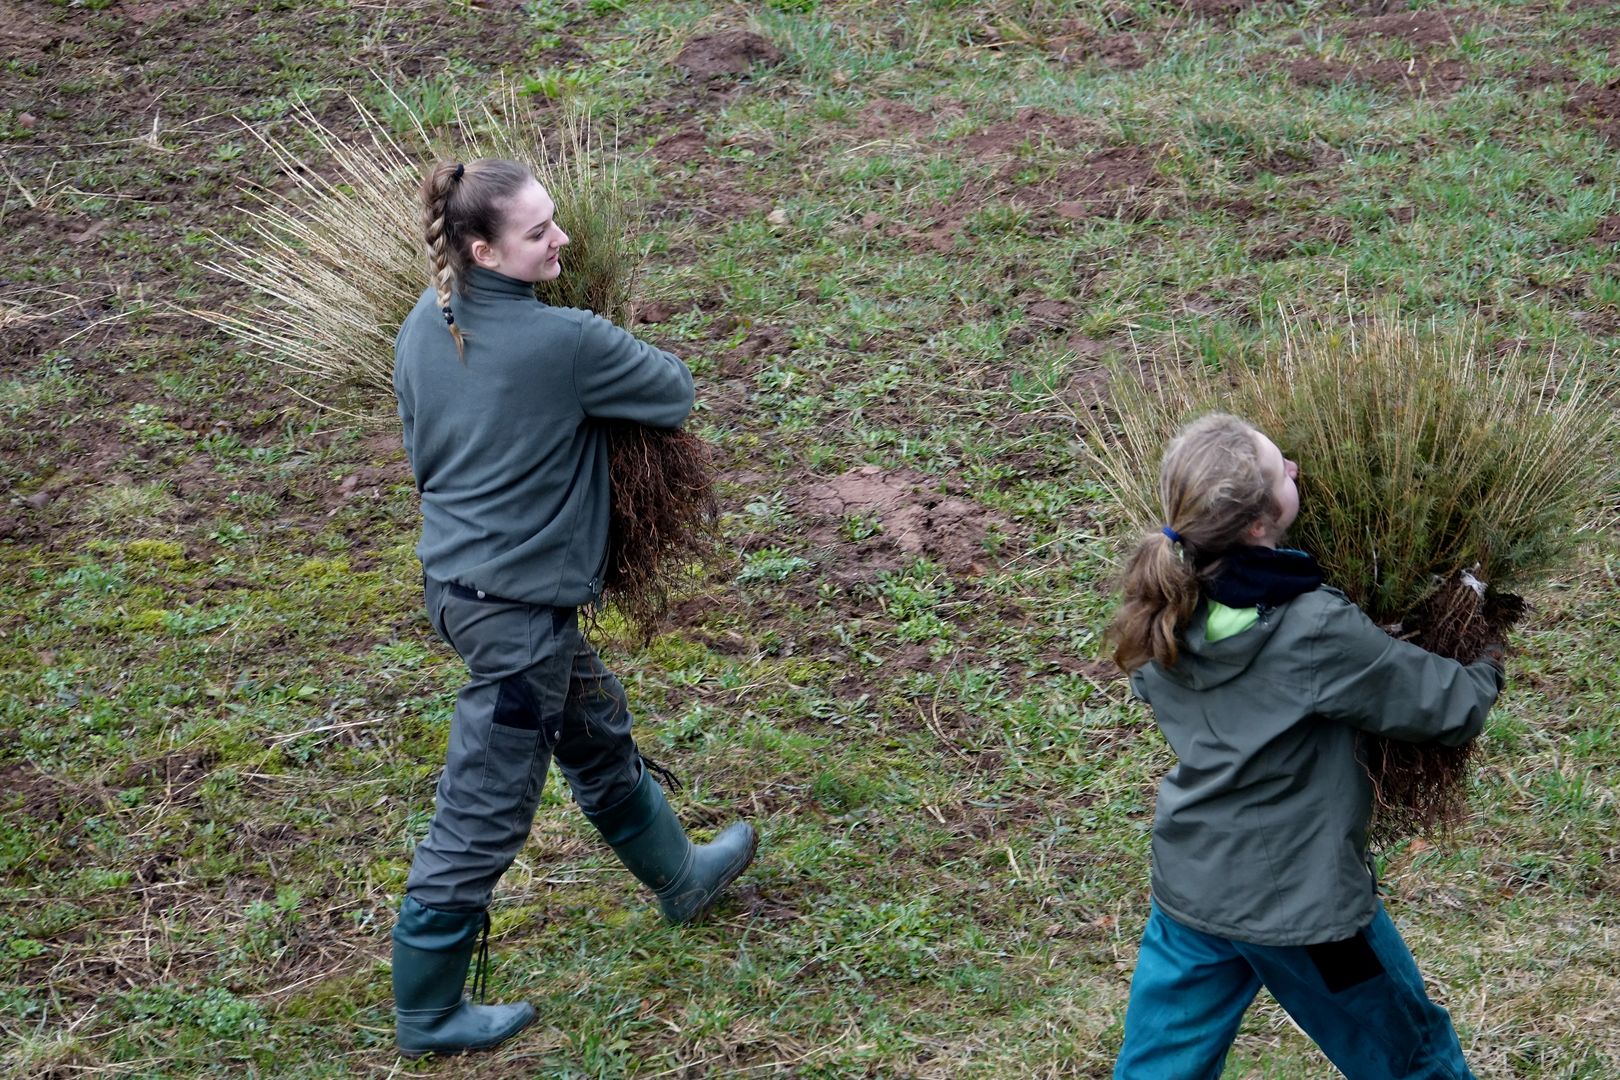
484	255
1259	529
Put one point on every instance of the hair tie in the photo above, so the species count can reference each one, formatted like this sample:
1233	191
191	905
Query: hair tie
449	316
1175	537
461	170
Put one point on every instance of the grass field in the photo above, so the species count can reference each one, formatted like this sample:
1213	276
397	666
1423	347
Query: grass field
895	260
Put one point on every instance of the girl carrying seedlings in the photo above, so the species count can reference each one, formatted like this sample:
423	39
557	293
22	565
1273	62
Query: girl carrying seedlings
497	393
1261	679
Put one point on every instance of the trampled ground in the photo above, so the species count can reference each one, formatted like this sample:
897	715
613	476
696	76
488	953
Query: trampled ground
893	241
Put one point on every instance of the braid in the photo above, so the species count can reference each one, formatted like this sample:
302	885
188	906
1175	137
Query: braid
437	188
461	203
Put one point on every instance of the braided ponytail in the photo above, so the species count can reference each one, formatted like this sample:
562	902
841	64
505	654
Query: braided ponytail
1212	488
461	203
437	187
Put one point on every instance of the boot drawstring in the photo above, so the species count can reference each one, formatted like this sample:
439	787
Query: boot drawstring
667	775
480	984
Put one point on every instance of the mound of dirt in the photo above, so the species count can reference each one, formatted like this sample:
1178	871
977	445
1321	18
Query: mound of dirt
1419	29
1109	183
1324	234
40	797
1028	127
1542	73
912	515
23	32
688	144
152	10
1215	10
1599	106
945	228
887	117
182	770
1119	52
762	342
730	52
1420	78
1079	44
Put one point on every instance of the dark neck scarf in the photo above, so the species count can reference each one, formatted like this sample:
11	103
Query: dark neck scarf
1247	577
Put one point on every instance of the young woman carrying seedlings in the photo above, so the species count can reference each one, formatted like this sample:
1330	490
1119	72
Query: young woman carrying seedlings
497	393
1261	679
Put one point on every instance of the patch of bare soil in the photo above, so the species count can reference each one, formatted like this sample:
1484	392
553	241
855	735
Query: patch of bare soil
1599	108
152	10
1543	73
1288	162
1607	231
1100	671
178	774
1117	181
890	119
767	906
944	231
371	481
688	144
1602	37
26	32
1076	44
1216	10
759	342
1120	52
1422	78
728	53
37	795
1048	313
1419	29
1029	127
914	518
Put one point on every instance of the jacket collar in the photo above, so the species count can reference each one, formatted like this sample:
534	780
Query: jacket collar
1260	576
488	284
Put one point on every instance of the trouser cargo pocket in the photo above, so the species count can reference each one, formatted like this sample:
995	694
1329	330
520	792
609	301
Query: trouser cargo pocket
517	732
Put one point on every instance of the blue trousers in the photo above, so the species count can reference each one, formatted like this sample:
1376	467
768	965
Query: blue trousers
1361	999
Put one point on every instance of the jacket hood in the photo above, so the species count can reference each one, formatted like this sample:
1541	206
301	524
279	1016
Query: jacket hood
1203	663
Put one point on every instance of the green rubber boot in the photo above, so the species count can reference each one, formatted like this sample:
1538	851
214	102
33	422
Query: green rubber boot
687	878
432	951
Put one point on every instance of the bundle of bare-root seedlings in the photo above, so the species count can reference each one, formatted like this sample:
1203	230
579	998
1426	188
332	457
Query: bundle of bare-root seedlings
335	265
1435	480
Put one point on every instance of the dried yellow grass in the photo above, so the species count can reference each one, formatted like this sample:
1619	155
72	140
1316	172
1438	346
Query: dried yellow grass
335	264
1420	455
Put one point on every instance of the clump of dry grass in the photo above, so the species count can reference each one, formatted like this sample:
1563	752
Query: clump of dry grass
335	265
1421	459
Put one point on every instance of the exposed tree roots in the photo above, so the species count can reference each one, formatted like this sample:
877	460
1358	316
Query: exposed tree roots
1421	788
663	519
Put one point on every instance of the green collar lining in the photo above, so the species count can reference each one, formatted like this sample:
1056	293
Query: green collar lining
1224	622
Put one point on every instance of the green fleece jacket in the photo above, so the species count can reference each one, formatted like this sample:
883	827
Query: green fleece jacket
1260	834
512	473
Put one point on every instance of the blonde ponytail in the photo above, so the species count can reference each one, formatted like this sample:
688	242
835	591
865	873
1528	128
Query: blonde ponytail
1161	593
1212	488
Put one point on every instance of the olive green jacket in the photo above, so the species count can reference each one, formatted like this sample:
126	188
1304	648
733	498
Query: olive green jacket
1260	834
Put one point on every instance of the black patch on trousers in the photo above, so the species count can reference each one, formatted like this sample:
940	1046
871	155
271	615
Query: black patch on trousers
1347	963
515	706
